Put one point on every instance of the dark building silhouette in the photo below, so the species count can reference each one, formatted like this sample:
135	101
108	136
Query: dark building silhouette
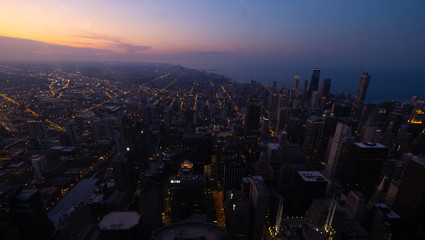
360	95
123	173
314	83
325	88
363	167
22	215
308	186
186	193
409	202
313	135
253	115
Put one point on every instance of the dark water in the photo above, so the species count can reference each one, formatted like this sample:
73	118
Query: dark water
387	83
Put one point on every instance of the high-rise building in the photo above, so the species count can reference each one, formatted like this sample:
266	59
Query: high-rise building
236	208
338	151
313	137
186	193
409	202
259	200
234	171
123	172
363	167
360	95
325	88
295	82
308	185
253	115
314	83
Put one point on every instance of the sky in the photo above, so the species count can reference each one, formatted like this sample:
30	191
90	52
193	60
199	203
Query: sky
219	34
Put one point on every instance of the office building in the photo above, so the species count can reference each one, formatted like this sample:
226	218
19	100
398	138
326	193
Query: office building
259	200
253	115
308	186
295	82
325	88
336	158
363	167
313	135
360	95
409	201
314	83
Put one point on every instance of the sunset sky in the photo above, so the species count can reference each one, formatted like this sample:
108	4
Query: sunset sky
202	33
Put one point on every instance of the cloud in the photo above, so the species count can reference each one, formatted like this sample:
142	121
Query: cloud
211	53
115	43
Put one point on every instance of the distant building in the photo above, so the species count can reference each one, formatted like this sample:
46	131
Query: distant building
295	82
360	95
325	88
314	83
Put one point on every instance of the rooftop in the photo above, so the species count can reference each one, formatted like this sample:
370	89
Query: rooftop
119	220
190	230
369	145
312	176
80	193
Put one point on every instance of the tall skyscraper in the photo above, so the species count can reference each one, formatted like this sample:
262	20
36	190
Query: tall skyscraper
295	82
338	151
409	202
253	115
325	88
259	198
360	95
314	83
313	137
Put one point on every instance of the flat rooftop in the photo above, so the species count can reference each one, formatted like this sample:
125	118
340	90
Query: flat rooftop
369	145
119	221
312	176
190	230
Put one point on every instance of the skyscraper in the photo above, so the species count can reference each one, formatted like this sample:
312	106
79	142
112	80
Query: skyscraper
313	137
295	82
360	95
409	202
253	115
338	151
325	88
314	83
363	166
